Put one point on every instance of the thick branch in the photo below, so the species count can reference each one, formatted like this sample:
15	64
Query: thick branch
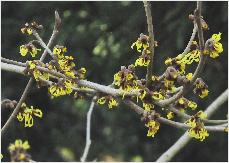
84	83
151	40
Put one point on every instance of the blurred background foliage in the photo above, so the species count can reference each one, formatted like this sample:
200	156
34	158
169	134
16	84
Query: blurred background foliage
99	36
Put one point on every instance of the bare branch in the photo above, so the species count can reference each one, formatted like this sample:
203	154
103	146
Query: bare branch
183	140
151	40
88	132
12	62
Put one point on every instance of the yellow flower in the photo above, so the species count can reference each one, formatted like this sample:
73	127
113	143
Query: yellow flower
23	50
36	73
19	144
192	105
141	43
59	51
203	93
148	106
168	61
181	101
198	133
34	51
27	30
216	37
155	78
27	113
157	96
170	115
197	129
142	62
217	46
64	88
153	128
168	83
189	76
101	101
112	102
191	122
201	114
129	76
18	151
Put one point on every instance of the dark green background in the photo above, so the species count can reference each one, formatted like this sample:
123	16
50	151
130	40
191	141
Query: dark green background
99	36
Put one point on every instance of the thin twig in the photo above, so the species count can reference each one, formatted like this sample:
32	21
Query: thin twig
186	116
184	139
188	47
151	41
29	84
88	131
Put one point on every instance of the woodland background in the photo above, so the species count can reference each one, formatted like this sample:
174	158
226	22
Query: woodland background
99	36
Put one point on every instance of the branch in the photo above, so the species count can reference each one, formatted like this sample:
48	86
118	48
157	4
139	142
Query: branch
186	116
140	111
183	140
94	88
88	132
200	65
151	40
84	83
12	62
29	84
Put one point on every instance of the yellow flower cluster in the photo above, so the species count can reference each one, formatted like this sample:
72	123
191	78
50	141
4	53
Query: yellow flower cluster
125	79
153	127
170	115
27	114
64	87
28	28
32	65
18	151
24	49
197	129
180	61
141	43
201	88
142	46
19	144
143	59
67	67
148	106
216	47
111	102
183	103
